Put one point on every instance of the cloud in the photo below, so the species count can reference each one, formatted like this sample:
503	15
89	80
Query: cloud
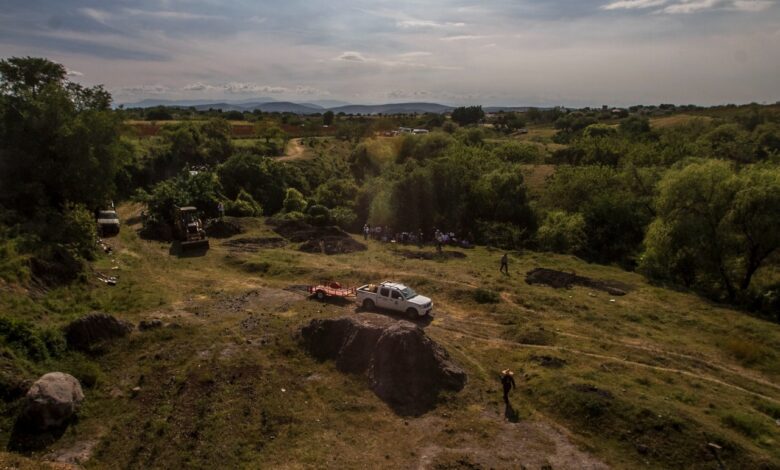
464	37
351	56
241	88
752	5
74	73
633	4
170	15
142	90
408	24
409	55
690	6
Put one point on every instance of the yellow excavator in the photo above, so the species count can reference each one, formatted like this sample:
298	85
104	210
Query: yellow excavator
188	228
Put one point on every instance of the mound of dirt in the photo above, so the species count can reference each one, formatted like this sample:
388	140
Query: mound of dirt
252	245
89	331
330	240
405	368
560	280
431	255
223	228
549	361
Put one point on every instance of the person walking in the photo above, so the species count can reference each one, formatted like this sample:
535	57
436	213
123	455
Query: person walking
366	231
508	382
505	264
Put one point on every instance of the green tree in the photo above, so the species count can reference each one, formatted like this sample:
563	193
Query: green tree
59	141
262	177
715	227
562	232
327	118
466	115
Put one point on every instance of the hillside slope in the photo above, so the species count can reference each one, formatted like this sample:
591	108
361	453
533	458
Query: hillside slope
655	378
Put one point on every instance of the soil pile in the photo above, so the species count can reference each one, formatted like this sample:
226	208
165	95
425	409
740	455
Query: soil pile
431	255
330	240
560	280
252	245
88	332
223	228
405	368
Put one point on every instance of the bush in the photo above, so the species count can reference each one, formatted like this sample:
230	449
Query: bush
34	343
294	201
243	206
486	296
344	217
77	230
318	215
515	152
562	232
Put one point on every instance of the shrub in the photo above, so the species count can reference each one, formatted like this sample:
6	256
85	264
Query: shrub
750	426
562	232
294	201
486	296
344	217
746	351
30	341
243	206
515	152
77	230
532	335
318	215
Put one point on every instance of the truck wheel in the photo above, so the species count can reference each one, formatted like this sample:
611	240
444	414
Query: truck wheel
411	312
368	304
320	295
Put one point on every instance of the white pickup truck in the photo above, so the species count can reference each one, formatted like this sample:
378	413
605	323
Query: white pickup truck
394	296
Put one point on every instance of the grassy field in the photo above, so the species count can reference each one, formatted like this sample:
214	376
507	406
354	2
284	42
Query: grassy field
653	379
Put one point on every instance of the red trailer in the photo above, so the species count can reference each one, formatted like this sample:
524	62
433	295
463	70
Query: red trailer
331	289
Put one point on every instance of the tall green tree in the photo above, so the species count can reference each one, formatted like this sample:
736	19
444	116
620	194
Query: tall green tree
715	227
59	141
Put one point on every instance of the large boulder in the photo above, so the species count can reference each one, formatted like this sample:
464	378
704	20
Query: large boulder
408	369
405	367
52	401
87	332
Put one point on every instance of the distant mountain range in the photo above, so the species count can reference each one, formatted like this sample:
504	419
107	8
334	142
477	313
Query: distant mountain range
269	105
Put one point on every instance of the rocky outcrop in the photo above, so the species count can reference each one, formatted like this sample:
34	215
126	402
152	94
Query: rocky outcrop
405	368
52	401
87	332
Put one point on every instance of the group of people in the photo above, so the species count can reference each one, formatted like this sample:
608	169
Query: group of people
387	235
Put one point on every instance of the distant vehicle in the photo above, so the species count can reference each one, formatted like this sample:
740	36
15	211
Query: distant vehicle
107	223
394	296
188	228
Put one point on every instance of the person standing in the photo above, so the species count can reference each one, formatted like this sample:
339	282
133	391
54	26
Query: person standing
505	264
366	231
508	382
221	209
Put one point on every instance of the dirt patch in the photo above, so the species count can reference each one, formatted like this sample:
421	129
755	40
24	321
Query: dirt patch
252	245
223	228
405	368
329	240
431	255
561	280
549	361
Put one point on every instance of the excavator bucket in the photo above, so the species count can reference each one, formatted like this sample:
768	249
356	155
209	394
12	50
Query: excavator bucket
195	244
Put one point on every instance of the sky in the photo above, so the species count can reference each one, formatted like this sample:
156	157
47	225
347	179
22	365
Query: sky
489	52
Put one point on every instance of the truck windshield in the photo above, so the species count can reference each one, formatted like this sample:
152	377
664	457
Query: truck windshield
409	293
107	215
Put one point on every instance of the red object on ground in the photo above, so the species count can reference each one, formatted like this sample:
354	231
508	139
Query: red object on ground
331	289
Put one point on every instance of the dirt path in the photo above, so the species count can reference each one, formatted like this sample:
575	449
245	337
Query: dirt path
294	151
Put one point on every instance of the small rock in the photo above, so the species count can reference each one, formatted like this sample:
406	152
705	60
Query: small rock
135	390
52	400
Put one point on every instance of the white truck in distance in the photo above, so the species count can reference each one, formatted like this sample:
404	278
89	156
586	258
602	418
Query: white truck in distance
394	296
